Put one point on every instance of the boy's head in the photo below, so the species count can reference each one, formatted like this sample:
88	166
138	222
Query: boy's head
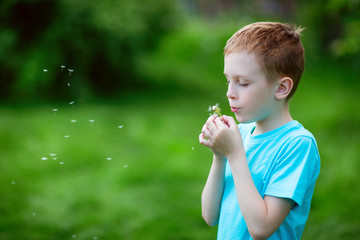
277	47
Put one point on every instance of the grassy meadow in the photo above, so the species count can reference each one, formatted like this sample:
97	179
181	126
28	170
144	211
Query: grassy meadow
137	170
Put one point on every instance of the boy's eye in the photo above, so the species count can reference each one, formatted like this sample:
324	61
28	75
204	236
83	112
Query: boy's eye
243	84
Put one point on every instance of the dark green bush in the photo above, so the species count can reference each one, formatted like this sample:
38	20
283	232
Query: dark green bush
99	40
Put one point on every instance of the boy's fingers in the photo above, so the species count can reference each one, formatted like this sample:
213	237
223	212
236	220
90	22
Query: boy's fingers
203	140
220	123
229	121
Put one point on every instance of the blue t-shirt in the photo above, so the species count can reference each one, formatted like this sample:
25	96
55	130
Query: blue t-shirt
283	163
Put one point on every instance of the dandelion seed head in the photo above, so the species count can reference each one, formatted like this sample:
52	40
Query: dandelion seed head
91	120
55	110
34	214
109	158
73	121
55	158
44	158
192	148
125	166
53	154
121	126
73	236
66	136
45	70
62	66
68	84
61	163
13	182
215	109
72	102
70	70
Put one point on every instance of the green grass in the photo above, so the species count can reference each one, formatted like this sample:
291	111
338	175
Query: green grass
151	187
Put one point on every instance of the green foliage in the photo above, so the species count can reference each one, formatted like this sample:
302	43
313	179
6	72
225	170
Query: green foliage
336	26
100	40
191	57
157	196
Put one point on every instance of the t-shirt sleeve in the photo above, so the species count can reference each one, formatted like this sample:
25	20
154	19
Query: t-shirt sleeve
295	171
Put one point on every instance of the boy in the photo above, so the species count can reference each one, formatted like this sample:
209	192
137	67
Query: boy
263	173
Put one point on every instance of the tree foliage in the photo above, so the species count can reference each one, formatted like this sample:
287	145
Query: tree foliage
100	40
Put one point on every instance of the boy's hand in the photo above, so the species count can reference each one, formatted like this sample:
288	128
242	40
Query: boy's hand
221	135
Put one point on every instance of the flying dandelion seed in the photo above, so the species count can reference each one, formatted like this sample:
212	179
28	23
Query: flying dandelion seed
121	126
125	166
68	84
62	67
109	158
192	148
55	158
66	136
71	103
70	71
52	154
44	158
54	110
45	70
95	238
34	214
13	182
91	120
73	121
61	163
73	236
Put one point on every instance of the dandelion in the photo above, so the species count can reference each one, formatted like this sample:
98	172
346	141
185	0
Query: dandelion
73	121
192	148
92	120
53	154
13	182
44	158
55	158
125	166
61	163
215	109
34	214
66	136
109	158
121	126
95	238
62	67
45	70
55	110
73	236
68	84
70	71
71	103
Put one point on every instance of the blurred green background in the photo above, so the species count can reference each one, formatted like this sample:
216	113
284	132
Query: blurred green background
101	104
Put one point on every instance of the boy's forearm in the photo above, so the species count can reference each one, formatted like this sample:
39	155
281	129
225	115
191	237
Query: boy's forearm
213	190
252	205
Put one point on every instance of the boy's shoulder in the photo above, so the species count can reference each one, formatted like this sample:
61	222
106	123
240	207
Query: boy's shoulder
290	131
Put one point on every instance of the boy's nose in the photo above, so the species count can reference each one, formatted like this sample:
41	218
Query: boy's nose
231	94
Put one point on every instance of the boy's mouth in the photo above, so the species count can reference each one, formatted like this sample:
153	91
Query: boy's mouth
234	109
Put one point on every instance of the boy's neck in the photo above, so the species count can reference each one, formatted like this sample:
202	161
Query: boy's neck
276	120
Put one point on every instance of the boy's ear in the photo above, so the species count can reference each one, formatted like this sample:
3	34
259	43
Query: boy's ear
285	84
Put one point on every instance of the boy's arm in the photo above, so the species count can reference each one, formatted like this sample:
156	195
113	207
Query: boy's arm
214	187
213	191
262	216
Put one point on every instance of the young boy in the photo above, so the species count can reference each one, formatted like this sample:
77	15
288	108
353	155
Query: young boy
263	172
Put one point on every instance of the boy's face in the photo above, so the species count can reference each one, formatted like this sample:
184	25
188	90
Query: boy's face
251	96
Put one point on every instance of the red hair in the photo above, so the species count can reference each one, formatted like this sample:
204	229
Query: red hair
277	47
